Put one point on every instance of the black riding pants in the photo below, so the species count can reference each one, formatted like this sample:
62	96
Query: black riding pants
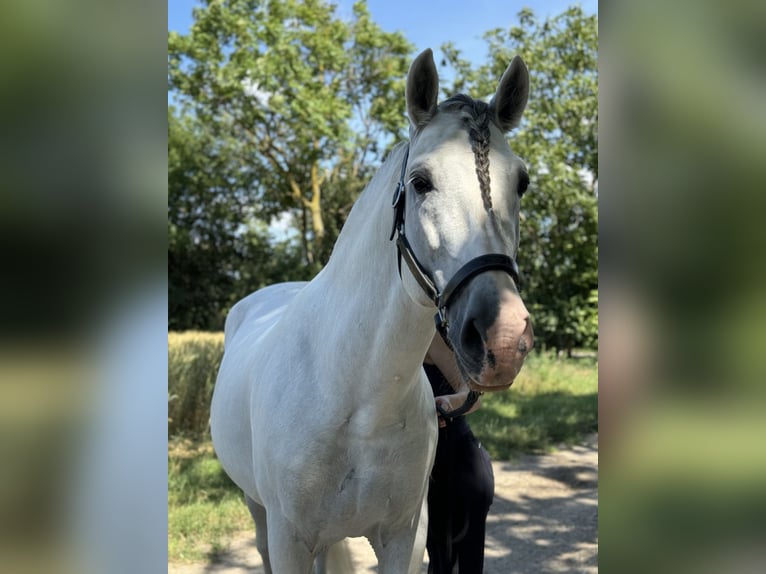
460	493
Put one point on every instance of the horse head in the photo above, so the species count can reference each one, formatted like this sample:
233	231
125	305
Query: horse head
462	185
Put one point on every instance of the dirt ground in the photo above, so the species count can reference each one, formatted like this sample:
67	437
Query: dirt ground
544	519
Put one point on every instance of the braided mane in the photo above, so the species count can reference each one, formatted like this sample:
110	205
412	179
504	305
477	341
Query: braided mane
475	116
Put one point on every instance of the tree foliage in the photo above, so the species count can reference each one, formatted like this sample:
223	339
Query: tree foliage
281	111
213	258
299	98
558	140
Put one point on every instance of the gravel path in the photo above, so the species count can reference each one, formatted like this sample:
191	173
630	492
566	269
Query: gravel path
544	519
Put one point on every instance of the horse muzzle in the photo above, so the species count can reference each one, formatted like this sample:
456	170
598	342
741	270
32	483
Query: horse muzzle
491	333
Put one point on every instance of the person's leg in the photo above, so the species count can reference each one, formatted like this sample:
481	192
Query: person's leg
474	481
460	494
440	505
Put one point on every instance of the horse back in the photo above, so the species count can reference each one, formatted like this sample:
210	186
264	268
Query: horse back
263	308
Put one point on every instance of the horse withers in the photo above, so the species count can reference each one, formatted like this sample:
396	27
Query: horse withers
322	413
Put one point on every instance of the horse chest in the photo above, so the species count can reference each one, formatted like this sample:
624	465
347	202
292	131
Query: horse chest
353	485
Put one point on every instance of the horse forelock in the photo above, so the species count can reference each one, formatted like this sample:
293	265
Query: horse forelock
475	116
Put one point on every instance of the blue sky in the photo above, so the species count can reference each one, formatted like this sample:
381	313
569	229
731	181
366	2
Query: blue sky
427	23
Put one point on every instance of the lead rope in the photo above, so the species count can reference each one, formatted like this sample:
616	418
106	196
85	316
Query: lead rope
470	400
472	397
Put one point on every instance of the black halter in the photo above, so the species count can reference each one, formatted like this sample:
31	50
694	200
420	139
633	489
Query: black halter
442	299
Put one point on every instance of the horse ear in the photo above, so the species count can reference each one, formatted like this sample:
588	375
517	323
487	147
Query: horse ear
509	101
422	89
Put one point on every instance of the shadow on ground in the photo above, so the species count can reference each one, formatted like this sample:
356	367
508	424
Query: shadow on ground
545	514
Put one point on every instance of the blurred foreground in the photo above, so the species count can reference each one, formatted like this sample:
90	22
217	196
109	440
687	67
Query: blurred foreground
83	295
682	338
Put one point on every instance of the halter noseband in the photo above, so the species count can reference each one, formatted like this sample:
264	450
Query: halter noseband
442	299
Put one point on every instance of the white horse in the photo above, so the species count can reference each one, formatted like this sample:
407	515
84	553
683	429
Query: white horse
322	413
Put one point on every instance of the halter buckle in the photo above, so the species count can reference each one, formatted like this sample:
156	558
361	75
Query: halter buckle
398	205
397	193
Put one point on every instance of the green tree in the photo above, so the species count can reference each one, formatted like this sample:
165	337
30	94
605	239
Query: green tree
558	140
282	110
215	257
201	239
301	101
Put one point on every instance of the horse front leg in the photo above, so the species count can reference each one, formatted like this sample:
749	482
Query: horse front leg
258	513
288	551
402	551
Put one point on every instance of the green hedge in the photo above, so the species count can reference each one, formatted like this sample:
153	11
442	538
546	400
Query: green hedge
193	361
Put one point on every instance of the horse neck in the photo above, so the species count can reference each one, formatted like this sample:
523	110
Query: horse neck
384	335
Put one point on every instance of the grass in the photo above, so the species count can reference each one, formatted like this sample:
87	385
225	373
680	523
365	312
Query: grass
552	402
193	361
205	508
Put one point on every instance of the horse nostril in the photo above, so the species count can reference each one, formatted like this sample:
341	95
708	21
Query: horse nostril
526	341
471	340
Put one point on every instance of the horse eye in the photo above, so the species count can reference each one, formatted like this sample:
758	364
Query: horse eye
523	183
421	184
